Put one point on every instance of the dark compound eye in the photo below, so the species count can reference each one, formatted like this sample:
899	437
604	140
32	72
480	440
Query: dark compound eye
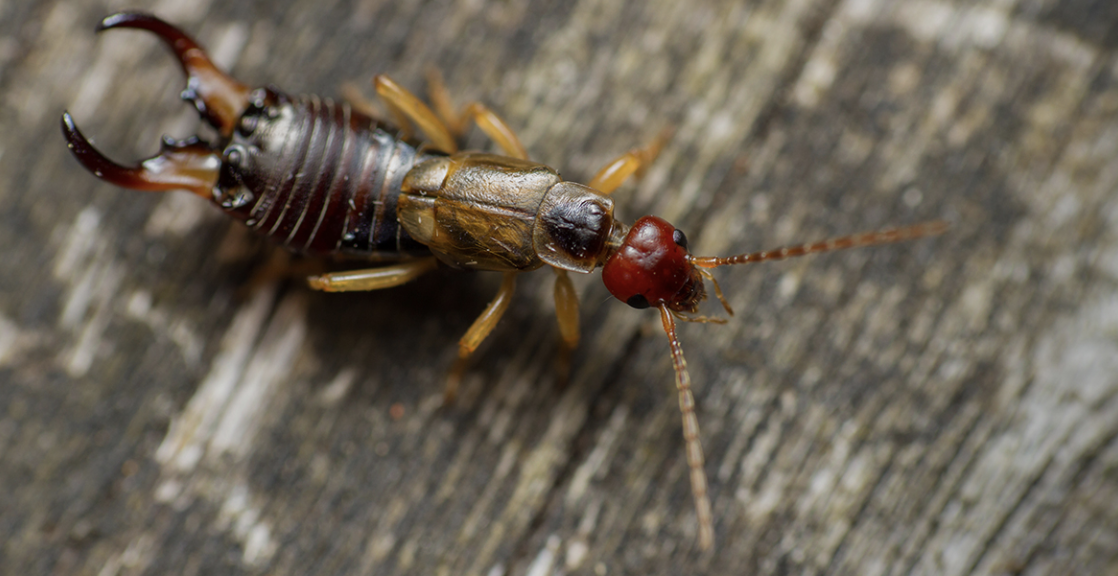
680	238
638	301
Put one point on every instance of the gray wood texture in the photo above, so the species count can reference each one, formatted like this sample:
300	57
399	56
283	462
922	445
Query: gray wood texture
945	406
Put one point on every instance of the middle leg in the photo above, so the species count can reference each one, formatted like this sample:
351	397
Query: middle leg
477	333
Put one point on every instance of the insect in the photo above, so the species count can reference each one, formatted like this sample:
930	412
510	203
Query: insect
321	177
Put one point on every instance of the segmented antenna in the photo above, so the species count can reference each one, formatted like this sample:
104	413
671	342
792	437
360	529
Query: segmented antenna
886	236
692	445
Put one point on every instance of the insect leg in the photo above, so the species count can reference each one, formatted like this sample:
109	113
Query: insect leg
406	106
372	278
458	122
477	333
635	161
566	312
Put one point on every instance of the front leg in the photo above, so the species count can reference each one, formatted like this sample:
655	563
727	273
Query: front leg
635	161
566	312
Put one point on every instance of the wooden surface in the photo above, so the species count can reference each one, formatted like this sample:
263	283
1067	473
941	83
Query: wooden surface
945	406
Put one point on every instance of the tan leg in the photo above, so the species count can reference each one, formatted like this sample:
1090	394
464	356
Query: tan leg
458	122
373	278
405	106
632	162
478	332
566	312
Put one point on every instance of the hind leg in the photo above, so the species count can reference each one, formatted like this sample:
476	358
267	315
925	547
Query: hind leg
458	122
373	278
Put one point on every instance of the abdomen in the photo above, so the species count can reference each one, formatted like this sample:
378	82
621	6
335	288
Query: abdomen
319	178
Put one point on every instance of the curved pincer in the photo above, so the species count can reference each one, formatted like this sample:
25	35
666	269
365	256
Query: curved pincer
218	98
189	164
180	165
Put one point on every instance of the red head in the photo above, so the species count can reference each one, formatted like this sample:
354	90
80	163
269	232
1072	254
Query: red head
653	267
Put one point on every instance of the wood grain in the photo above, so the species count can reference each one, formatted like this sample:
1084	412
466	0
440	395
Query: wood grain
945	406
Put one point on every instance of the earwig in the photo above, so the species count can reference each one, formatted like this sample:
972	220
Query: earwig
319	177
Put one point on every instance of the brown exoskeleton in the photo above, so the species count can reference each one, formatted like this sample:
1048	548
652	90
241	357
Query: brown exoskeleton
319	177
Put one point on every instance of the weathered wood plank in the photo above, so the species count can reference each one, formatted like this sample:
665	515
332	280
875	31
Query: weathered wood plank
946	406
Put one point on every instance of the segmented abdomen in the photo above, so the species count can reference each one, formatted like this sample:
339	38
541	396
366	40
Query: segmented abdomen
319	177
